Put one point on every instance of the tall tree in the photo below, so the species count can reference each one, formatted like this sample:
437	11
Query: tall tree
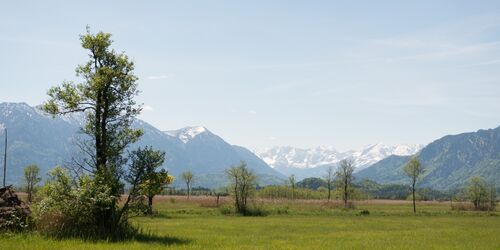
344	178
329	176
31	179
188	178
413	169
242	185
292	182
106	95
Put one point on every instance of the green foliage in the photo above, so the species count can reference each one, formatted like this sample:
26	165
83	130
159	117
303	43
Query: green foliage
242	187
144	178
312	183
413	169
106	96
482	196
285	192
70	208
31	179
295	225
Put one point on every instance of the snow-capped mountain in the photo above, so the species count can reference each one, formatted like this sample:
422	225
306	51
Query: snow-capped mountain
285	158
188	133
38	138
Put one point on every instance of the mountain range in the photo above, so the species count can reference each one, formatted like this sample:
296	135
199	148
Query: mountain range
313	162
36	138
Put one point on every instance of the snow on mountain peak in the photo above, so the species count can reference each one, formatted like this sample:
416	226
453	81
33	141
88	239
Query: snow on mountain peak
290	157
188	133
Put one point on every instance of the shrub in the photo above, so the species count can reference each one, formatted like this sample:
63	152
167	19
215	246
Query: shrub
255	211
364	212
226	209
69	208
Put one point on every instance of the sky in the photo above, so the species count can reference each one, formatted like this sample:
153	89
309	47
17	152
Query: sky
267	73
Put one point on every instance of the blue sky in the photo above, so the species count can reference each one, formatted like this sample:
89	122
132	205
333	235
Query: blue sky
264	73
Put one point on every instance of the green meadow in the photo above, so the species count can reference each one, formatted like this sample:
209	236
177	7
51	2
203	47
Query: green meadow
285	224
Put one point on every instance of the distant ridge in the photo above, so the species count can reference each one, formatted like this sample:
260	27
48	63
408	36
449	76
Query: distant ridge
449	161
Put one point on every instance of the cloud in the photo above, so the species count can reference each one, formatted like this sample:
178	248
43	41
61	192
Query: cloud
252	112
485	63
272	138
159	77
147	108
460	39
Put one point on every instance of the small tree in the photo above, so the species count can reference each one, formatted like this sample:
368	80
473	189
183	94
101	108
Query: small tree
477	192
31	179
493	197
329	176
153	184
146	180
242	185
188	179
292	182
413	169
344	178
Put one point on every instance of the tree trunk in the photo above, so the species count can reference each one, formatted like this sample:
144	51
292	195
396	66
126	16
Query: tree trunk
329	191
30	193
345	194
413	192
150	204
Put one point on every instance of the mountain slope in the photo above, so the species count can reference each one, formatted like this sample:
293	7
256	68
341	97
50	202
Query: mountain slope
210	154
35	138
449	161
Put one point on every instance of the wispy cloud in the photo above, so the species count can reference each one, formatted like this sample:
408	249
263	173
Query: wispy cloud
252	112
158	77
147	108
484	63
468	37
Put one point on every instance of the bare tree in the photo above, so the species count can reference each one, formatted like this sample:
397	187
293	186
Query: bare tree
413	169
32	179
344	178
188	179
292	182
329	176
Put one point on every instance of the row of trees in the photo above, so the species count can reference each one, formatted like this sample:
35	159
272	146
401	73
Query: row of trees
243	183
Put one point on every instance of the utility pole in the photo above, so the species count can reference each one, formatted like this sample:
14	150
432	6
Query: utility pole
5	159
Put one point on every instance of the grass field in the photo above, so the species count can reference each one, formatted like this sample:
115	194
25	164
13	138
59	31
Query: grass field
199	224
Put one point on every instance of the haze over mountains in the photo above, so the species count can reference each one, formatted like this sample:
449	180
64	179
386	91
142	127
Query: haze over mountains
35	138
312	162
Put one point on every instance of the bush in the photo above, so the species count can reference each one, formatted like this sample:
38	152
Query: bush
69	208
364	212
255	211
226	209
